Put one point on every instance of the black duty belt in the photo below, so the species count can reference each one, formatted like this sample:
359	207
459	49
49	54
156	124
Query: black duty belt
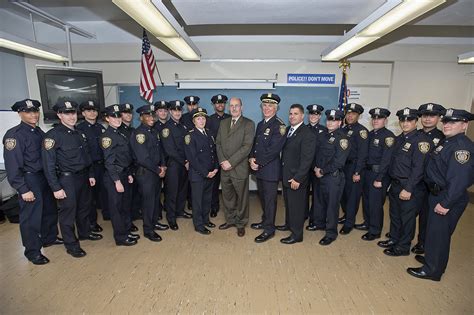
99	162
81	172
374	167
34	173
435	189
335	173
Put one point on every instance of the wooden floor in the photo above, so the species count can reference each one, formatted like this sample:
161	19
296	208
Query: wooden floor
189	273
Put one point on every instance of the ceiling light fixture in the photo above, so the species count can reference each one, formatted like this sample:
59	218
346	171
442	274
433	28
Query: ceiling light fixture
390	16
156	19
466	57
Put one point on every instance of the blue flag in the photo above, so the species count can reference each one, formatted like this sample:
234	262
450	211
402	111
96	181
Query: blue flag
343	92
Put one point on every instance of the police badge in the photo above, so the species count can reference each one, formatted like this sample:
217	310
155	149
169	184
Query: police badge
187	139
344	143
10	144
165	132
462	156
266	132
282	130
376	142
48	143
106	142
363	134
424	147
349	133
389	141
140	138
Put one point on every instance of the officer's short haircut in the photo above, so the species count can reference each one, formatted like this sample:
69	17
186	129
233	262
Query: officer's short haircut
299	106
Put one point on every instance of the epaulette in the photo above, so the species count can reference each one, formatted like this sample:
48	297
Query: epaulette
281	121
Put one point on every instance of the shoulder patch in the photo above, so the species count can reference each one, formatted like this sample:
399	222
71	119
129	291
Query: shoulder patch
165	132
282	130
106	142
48	143
187	139
140	138
10	144
281	121
389	141
344	143
462	156
424	147
363	134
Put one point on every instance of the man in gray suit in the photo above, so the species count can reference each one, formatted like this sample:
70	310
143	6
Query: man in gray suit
233	144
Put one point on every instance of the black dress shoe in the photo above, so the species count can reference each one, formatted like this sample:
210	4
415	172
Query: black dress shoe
395	252
127	242
185	215
264	237
386	243
257	226
96	228
419	273
161	227
213	214
154	237
203	231
387	235
420	259
418	249
133	228
361	227
133	236
39	260
225	226
210	225
370	237
315	228
173	226
76	253
91	237
326	241
282	228
290	240
345	230
240	232
57	241
342	220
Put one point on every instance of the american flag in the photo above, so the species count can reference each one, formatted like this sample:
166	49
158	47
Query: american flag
148	65
343	92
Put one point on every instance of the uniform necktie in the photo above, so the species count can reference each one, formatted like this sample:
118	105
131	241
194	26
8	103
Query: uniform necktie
232	124
290	133
204	132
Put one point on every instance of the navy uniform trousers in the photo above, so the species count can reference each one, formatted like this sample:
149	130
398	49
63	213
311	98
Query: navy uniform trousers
176	190
38	219
440	228
119	206
373	200
350	198
330	189
267	192
99	194
149	184
202	197
75	207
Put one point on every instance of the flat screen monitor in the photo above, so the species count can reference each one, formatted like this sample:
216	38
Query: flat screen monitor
69	84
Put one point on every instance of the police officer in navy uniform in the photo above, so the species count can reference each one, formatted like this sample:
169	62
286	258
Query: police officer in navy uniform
265	162
376	180
328	168
93	130
406	173
213	122
449	173
314	111
355	168
172	138
151	168
430	115
200	151
68	167
23	163
192	102
126	128
118	177
161	114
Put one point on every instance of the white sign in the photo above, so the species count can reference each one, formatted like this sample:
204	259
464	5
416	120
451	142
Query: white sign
353	94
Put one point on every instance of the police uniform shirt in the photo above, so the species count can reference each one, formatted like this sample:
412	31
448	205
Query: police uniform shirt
93	133
147	149
65	150
357	135
436	136
22	153
333	151
408	158
172	137
126	130
117	153
317	128
381	145
213	123
270	136
187	121
451	167
200	150
159	125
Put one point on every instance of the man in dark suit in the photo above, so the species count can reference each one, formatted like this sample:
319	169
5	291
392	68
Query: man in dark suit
233	144
297	157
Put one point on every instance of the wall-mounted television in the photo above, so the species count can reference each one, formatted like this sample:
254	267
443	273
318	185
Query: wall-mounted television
78	85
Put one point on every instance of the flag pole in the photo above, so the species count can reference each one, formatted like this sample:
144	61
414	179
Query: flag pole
345	64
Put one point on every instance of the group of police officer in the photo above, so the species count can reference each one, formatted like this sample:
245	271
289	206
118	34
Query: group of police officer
122	170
